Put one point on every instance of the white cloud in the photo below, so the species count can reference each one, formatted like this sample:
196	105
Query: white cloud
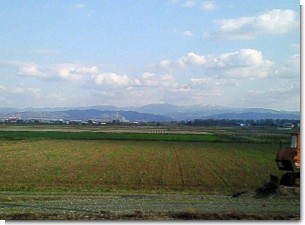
166	64
244	63
193	78
30	70
25	90
188	33
273	22
111	80
20	90
291	70
155	88
53	72
72	72
25	68
190	58
241	58
152	80
207	5
210	83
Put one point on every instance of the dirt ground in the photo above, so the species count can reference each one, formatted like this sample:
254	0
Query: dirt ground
284	204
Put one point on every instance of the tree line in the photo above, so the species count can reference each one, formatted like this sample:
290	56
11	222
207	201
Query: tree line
228	122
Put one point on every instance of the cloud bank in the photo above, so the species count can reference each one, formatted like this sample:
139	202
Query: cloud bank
214	77
273	22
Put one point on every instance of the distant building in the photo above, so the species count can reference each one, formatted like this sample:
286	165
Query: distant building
286	126
11	120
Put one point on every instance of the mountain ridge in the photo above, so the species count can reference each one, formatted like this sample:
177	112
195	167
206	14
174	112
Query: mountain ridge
147	113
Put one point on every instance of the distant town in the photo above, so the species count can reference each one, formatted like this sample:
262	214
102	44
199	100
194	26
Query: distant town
154	114
279	123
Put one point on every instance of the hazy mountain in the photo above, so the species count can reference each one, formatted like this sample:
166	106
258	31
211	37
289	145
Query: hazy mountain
148	113
113	115
216	112
254	116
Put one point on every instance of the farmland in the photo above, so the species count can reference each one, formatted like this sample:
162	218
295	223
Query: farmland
91	162
103	165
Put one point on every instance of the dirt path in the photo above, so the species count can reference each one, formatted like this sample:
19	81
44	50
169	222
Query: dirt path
24	205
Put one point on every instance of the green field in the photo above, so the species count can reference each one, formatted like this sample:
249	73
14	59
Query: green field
42	135
47	164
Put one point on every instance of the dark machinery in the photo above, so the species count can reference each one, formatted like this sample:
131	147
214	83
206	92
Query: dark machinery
289	160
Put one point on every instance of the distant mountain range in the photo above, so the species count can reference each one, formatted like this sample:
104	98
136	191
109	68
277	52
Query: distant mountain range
148	113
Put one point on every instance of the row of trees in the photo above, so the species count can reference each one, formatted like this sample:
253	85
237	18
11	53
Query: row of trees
227	122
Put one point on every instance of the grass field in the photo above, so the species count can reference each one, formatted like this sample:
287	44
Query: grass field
40	135
116	165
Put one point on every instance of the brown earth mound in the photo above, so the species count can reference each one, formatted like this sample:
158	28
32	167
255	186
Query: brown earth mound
271	190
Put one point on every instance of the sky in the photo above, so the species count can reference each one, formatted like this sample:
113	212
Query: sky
241	53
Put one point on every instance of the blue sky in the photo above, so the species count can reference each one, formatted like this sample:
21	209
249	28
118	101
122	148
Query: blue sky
131	53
